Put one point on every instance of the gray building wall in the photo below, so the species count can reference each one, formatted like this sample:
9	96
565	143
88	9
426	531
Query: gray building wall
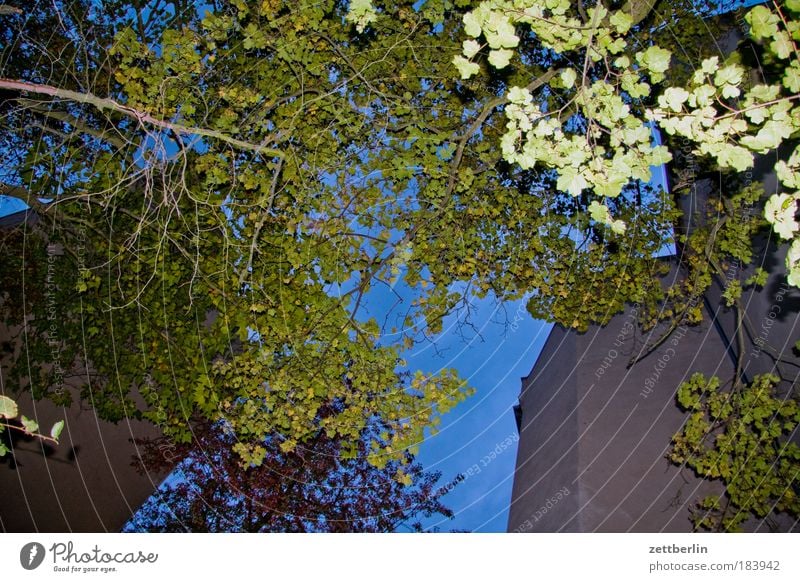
603	430
88	482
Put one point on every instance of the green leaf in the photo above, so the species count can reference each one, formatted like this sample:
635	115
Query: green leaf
758	278
769	137
763	23
735	157
599	212
791	78
403	478
8	408
787	175
618	226
674	98
500	58
660	155
732	292
710	65
655	58
361	13
730	91
500	32
472	26
568	77
55	432
31	426
730	75
520	96
470	48
757	115
465	68
571	181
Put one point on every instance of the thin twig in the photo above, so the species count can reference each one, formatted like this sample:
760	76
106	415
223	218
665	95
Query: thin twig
33	434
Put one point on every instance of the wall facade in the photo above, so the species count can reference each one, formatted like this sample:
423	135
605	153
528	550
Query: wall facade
602	429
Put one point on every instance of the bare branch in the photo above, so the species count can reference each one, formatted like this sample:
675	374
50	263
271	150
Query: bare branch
141	116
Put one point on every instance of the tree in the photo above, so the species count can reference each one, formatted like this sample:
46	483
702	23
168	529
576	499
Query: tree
598	140
317	487
208	236
248	176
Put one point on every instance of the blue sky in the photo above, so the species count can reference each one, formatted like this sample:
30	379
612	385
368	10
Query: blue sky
478	438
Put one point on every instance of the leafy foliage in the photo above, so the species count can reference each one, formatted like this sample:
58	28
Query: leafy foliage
218	275
743	439
595	136
598	139
230	187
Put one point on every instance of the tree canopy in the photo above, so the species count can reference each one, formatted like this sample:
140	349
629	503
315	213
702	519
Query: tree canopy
314	488
230	183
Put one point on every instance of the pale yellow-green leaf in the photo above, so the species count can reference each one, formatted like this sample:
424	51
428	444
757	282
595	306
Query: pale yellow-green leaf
568	77
8	408
621	21
470	48
674	98
466	68
571	181
499	58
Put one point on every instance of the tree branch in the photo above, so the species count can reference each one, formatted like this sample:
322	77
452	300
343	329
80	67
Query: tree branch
75	122
141	116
